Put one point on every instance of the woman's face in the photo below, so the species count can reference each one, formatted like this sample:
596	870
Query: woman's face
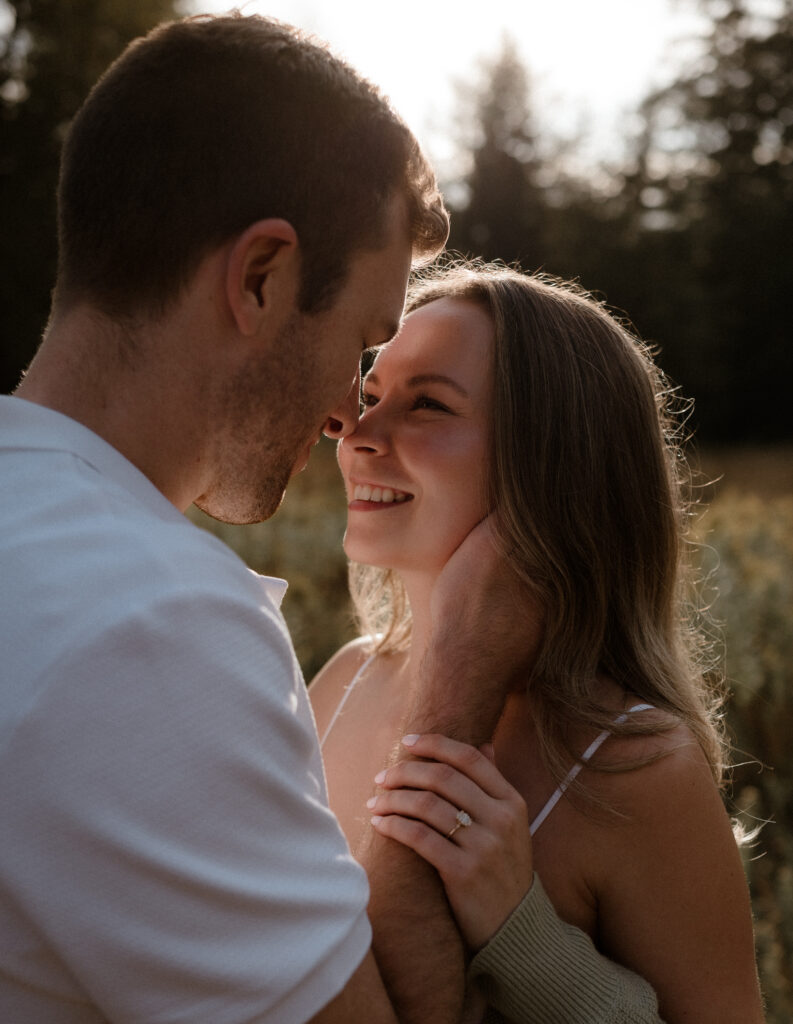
415	466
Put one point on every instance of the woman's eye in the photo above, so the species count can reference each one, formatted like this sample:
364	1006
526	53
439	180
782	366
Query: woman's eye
425	402
368	400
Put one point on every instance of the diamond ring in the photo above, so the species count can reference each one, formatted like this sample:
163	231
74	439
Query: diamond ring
463	821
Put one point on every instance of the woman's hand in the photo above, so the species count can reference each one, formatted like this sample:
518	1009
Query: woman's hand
485	865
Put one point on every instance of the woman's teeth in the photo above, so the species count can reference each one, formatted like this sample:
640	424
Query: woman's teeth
363	492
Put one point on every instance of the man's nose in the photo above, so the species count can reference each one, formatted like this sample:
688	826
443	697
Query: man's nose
344	418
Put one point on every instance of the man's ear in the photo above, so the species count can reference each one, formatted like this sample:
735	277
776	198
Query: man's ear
261	272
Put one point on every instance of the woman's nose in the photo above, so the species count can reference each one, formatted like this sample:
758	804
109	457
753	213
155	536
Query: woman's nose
372	433
344	418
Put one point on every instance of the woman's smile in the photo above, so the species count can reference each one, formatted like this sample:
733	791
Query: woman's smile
366	494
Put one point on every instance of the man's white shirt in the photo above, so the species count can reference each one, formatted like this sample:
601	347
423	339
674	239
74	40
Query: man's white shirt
166	849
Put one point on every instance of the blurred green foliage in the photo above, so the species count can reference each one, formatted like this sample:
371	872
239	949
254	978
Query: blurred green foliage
744	534
748	559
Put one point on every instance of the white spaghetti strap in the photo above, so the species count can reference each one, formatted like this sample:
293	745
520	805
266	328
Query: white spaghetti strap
636	707
557	796
588	753
347	691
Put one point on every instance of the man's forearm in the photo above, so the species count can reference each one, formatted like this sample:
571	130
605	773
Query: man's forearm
416	943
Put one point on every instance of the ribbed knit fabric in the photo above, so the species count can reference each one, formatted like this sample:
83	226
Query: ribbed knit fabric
539	970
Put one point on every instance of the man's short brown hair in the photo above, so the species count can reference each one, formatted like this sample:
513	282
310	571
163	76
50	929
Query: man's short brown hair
209	124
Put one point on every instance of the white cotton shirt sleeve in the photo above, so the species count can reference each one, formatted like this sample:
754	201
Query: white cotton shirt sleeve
193	870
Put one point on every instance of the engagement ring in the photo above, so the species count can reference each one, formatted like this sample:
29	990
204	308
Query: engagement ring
463	821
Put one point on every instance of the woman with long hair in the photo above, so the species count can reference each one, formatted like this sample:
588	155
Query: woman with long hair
586	852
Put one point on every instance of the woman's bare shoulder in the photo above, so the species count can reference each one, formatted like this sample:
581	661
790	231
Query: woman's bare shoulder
672	897
668	745
327	687
665	772
669	836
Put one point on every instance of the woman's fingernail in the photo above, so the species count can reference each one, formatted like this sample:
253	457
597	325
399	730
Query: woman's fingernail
410	739
371	801
376	819
380	777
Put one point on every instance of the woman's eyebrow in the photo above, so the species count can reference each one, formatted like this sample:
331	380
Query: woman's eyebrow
436	378
425	378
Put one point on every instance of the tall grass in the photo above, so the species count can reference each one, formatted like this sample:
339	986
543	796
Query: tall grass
745	536
749	561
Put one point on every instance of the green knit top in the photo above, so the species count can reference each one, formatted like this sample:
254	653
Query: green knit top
539	970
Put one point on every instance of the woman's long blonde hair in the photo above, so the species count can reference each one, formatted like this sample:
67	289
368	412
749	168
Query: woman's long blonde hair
586	479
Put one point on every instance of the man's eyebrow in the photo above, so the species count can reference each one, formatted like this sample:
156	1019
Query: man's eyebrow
426	378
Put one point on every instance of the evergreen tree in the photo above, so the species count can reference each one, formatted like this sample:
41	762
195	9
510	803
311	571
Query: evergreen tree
691	235
717	170
503	214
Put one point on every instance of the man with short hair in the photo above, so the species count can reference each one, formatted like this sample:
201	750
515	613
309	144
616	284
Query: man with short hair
238	215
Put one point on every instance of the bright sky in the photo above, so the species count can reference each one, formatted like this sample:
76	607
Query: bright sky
591	61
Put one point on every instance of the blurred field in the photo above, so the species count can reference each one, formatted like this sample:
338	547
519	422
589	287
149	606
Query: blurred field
743	533
765	472
747	559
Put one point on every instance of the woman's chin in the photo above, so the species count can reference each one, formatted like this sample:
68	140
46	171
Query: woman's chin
377	553
365	558
366	552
